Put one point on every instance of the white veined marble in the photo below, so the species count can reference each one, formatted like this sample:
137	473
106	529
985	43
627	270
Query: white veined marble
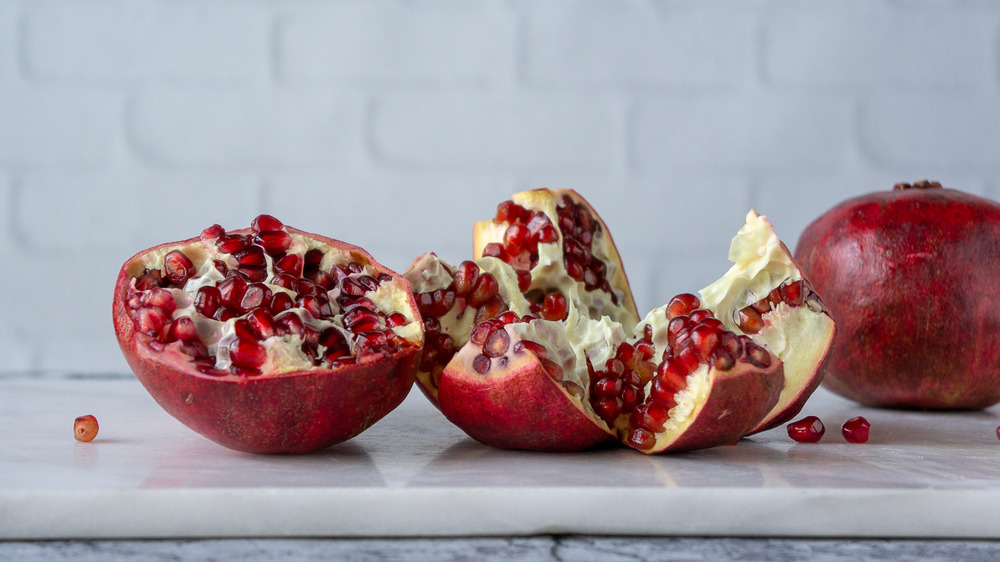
414	474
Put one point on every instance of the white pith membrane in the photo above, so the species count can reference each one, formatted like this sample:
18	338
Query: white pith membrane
283	352
799	335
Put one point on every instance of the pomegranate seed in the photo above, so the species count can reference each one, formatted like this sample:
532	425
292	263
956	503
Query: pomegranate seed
528	345
855	430
508	211
509	317
607	408
395	319
212	232
243	330
465	277
261	323
750	320
645	350
148	280
290	264
548	234
615	366
486	288
252	256
807	430
85	428
662	393
555	307
672	376
232	289
650	416
758	356
641	439
265	223
246	353
631	397
699	315
497	343
481	364
523	281
704	339
257	294
481	332
573	268
351	286
232	243
243	372
280	302
791	293
225	312
682	305
254	274
687	358
332	337
722	360
160	298
177	267
184	329
274	242
315	306
150	320
312	260
289	323
607	387
494	250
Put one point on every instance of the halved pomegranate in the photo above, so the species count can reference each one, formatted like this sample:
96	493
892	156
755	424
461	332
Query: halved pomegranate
268	339
543	358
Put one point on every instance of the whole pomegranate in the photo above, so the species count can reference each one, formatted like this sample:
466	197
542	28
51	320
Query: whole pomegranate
536	344
268	339
911	279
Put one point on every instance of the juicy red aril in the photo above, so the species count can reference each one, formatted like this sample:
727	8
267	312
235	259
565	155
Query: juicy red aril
261	322
481	332
252	256
254	274
641	439
226	312
207	300
177	267
481	364
509	317
256	295
184	329
351	286
758	356
232	243
265	223
548	234
232	290
607	408
246	353
465	277
607	387
281	302
807	430
650	416
516	238
523	281
289	323
486	288
274	242
150	320
161	298
395	319
211	233
85	428
149	280
290	264
750	320
855	430
494	250
682	305
554	307
496	343
704	339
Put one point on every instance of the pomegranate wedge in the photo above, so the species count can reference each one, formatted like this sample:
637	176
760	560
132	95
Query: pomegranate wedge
268	339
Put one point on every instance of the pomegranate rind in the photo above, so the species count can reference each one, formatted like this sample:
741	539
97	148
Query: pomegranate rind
724	406
518	406
287	411
910	276
799	336
550	273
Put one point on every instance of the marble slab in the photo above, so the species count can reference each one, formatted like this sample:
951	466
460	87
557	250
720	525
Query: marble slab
413	474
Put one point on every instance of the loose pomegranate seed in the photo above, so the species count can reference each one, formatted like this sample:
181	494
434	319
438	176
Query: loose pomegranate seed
855	430
177	267
641	439
265	223
806	430
85	428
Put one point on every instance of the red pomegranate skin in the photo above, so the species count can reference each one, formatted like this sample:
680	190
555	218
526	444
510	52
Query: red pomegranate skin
911	279
291	412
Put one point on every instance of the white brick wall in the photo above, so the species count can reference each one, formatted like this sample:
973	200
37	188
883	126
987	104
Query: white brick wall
395	124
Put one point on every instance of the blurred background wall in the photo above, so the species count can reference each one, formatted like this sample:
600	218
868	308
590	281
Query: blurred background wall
395	124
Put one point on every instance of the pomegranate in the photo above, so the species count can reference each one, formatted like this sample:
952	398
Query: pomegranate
85	428
809	429
268	339
542	347
910	277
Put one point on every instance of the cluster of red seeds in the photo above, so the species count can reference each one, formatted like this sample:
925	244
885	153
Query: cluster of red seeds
617	389
527	229
494	341
795	293
470	288
260	312
694	337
